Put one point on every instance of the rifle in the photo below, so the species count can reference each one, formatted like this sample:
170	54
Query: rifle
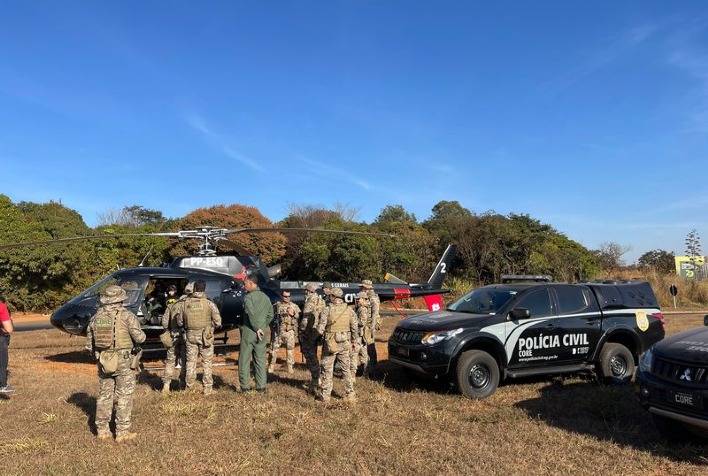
275	328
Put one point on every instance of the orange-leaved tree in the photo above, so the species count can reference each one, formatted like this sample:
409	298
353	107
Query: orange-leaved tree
269	246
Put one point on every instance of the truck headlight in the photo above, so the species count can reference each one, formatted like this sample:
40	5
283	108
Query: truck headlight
432	338
645	361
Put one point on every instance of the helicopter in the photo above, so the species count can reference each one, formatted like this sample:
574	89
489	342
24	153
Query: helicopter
146	287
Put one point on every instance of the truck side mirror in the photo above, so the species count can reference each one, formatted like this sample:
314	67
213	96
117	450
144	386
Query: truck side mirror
519	313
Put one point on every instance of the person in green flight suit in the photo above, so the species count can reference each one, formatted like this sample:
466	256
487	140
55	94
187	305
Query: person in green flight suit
259	313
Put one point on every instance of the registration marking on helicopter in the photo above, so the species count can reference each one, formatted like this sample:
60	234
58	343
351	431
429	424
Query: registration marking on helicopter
206	261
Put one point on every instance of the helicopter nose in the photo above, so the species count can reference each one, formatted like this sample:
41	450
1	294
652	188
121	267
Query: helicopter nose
71	318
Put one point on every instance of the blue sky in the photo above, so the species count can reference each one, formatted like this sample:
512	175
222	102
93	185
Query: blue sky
589	116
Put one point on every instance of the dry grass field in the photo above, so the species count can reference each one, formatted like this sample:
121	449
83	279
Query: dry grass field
559	427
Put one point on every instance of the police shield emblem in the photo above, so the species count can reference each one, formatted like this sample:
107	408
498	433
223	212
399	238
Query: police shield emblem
642	320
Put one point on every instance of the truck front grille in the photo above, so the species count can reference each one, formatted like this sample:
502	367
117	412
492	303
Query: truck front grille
407	337
689	375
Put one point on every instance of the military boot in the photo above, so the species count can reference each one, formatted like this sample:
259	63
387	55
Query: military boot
271	368
290	369
103	434
350	397
208	390
126	437
166	387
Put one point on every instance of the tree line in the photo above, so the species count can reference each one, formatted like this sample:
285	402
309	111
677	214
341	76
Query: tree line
43	276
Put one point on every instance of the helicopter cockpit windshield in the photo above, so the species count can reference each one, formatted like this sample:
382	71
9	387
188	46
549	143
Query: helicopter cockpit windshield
131	286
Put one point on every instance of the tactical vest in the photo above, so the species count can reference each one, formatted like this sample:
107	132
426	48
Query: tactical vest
287	322
197	313
107	333
338	319
175	309
364	315
312	319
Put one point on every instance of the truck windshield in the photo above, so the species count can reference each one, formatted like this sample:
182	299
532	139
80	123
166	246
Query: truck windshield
482	301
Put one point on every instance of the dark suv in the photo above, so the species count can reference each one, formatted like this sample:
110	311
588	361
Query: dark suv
672	383
522	329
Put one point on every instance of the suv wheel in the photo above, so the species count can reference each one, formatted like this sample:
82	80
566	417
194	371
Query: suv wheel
616	364
477	374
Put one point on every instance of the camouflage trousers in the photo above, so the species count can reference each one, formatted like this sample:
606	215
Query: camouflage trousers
118	386
359	356
286	338
195	347
308	346
177	351
328	361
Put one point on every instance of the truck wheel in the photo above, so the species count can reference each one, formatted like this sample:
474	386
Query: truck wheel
477	374
616	365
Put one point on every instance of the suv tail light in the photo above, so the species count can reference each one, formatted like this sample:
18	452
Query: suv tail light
660	316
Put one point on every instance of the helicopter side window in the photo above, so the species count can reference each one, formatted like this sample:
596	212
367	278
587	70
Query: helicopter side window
213	290
132	289
154	303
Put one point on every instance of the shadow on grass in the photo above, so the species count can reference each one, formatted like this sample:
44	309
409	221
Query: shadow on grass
611	414
289	381
76	357
87	404
400	379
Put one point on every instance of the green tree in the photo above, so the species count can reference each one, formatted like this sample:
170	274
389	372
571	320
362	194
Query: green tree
661	261
411	254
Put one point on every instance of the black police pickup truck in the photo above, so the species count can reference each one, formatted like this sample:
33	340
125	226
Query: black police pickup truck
672	383
514	330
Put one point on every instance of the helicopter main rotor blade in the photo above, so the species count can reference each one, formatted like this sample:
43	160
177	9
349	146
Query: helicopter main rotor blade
234	246
206	233
306	230
90	237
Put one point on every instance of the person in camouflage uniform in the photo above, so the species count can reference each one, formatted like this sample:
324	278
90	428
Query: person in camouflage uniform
286	314
375	303
307	333
360	357
178	350
338	325
259	314
110	337
199	316
327	292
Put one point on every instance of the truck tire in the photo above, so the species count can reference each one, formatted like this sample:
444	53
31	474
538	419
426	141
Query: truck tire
616	364
477	374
